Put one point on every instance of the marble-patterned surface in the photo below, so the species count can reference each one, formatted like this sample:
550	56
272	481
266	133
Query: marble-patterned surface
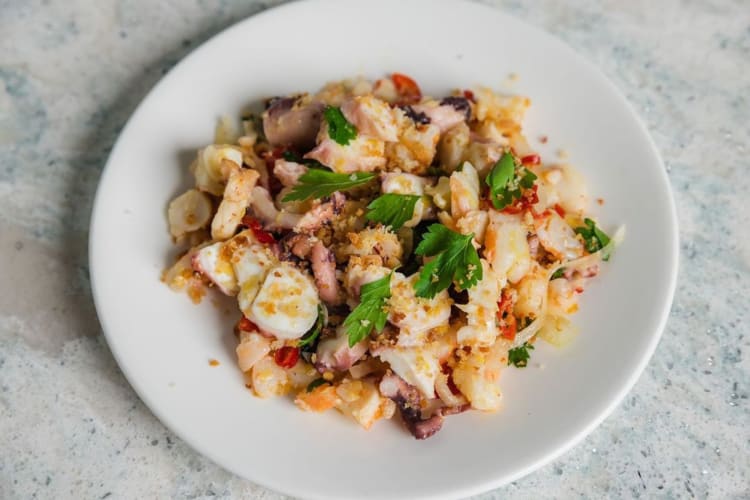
71	72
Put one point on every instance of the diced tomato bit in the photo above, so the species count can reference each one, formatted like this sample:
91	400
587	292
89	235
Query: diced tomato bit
407	88
256	227
247	326
532	159
287	356
560	210
469	95
579	289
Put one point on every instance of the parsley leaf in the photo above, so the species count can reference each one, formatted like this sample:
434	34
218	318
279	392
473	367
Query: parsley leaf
594	239
309	338
456	259
506	184
370	313
316	383
294	157
339	128
519	356
558	274
392	209
319	182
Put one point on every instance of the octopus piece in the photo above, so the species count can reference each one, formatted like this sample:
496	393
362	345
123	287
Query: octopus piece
295	245
414	115
264	209
399	183
361	154
408	400
288	172
415	316
189	212
360	272
334	353
376	241
445	115
416	147
372	117
481	311
458	103
212	167
292	121
212	263
286	305
324	272
320	215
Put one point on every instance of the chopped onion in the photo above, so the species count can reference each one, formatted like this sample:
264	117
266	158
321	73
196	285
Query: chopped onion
580	263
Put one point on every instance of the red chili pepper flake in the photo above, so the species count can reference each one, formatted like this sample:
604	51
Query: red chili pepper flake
508	323
532	159
407	88
256	227
528	199
287	356
246	325
579	289
469	95
509	330
560	210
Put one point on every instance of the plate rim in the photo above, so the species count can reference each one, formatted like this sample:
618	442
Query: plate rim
614	399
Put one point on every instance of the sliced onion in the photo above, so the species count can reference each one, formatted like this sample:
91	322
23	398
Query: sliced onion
445	394
581	263
189	212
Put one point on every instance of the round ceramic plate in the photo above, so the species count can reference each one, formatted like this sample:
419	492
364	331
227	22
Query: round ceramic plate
163	342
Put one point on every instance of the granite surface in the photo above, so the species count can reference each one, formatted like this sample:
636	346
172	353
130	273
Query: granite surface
71	72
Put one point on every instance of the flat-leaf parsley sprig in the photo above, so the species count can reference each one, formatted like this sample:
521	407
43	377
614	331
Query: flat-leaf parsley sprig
319	183
339	128
392	209
507	183
370	313
455	260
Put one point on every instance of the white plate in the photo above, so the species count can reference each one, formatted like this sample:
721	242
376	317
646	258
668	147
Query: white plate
163	342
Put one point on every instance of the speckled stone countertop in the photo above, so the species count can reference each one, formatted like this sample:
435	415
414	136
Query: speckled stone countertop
71	72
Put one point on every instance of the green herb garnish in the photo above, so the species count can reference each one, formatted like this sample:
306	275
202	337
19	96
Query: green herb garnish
339	128
316	383
506	183
456	260
392	209
594	239
294	157
558	274
370	313
319	182
309	338
519	356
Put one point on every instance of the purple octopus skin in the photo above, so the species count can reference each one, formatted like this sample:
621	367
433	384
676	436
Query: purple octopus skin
408	399
288	123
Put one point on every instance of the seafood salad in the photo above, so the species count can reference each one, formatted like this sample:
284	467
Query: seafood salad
390	252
